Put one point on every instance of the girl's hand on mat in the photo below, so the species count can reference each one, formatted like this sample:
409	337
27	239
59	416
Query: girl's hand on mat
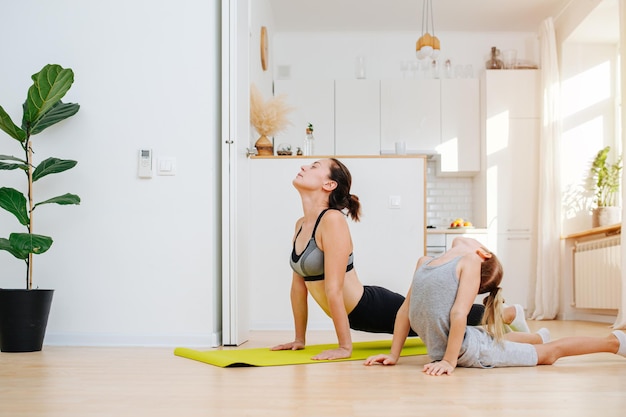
339	353
295	345
382	359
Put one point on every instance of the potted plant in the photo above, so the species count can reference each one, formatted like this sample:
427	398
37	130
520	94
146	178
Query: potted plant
606	185
24	312
268	118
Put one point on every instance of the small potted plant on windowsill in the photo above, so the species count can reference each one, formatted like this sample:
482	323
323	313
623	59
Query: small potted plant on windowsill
24	312
606	185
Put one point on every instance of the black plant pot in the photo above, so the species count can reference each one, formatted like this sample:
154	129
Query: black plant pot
23	319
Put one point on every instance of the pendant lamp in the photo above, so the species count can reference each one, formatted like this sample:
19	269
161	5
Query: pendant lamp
427	45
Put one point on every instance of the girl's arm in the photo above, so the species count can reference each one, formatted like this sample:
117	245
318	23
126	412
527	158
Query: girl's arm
469	283
401	329
335	241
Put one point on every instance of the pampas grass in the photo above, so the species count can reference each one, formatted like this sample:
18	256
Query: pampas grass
268	117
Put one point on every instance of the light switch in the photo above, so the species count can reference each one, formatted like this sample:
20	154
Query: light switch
166	166
395	201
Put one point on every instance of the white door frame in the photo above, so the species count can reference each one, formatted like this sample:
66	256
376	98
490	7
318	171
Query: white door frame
235	138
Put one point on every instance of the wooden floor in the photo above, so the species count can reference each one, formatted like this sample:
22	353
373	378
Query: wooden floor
87	381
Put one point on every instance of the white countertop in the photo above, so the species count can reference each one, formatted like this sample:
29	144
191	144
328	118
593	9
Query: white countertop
460	230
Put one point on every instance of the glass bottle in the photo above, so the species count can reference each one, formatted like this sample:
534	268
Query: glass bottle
309	141
494	62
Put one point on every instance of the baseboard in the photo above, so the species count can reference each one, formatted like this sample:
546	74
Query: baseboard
608	316
146	340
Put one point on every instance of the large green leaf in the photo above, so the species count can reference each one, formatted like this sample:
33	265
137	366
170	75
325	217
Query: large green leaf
30	243
6	245
52	166
57	113
9	166
49	86
14	202
10	128
63	200
11	158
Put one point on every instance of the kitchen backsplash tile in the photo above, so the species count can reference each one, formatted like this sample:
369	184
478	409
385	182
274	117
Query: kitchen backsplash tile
447	198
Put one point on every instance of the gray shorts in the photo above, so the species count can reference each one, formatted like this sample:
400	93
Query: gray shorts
481	351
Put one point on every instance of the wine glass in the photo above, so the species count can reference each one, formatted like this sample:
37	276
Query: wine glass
404	67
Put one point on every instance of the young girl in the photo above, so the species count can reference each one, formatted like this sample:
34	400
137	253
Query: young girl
457	277
322	263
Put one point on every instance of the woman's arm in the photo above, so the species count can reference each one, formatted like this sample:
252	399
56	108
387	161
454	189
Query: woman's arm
335	241
469	283
299	307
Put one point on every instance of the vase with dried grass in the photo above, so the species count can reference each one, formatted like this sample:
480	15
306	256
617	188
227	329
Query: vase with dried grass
268	118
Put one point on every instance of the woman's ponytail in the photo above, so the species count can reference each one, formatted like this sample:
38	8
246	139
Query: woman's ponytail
340	198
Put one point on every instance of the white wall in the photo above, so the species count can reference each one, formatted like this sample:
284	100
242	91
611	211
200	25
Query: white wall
136	262
589	90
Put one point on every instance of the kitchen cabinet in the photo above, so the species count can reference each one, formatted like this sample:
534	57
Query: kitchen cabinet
512	171
517	100
410	111
434	116
367	117
516	252
357	117
507	187
440	240
312	101
480	235
460	126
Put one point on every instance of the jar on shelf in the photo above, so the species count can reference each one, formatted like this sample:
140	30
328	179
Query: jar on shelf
494	62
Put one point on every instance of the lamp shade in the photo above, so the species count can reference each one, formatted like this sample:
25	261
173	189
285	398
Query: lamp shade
427	45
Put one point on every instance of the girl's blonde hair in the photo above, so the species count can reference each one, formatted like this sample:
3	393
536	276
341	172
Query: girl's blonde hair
491	273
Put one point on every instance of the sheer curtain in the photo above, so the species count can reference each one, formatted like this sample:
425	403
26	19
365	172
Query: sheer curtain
620	323
549	207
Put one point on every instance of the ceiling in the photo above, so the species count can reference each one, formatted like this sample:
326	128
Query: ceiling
449	15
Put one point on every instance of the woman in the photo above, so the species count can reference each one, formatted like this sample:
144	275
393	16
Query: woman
322	262
457	277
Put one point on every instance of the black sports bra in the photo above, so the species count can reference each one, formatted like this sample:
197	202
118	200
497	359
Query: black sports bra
310	263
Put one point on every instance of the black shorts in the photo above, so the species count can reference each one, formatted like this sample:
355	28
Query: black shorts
376	311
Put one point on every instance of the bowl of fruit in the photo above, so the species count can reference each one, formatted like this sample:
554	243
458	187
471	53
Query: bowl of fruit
461	224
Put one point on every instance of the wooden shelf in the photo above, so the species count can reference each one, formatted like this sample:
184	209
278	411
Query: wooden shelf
613	229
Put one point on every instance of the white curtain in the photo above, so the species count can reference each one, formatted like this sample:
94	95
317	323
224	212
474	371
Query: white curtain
620	323
549	208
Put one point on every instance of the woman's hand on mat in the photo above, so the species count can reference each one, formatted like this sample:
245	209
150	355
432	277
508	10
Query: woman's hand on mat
295	345
382	359
339	353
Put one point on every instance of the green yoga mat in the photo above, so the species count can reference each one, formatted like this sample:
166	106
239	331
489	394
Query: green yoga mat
265	357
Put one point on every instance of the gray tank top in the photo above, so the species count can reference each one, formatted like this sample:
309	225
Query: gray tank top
310	263
433	292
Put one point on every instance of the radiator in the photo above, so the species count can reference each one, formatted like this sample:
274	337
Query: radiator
597	273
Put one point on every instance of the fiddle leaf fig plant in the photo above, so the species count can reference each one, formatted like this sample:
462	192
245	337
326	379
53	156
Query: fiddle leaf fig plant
43	108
